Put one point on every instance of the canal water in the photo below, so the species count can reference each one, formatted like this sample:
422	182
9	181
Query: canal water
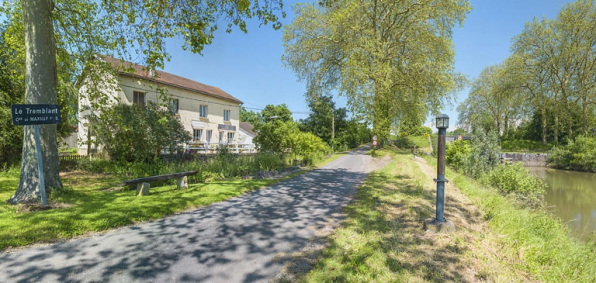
571	196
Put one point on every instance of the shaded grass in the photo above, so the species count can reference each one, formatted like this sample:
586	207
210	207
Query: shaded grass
382	239
95	203
532	241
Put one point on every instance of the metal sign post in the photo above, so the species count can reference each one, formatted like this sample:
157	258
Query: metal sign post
36	114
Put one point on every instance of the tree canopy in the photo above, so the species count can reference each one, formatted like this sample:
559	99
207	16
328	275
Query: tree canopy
387	57
547	87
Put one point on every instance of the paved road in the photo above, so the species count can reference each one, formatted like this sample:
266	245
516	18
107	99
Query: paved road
232	241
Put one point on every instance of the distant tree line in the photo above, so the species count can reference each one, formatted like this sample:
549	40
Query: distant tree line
546	89
329	124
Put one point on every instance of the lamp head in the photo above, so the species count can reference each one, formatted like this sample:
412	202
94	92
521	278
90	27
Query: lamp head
442	121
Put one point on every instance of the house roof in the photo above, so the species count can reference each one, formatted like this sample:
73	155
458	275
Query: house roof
138	71
247	127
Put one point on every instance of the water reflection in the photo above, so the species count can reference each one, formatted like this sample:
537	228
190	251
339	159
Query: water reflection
572	197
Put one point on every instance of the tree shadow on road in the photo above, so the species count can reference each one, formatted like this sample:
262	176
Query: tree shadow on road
232	241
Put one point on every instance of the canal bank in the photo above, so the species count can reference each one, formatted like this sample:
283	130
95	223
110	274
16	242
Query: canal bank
571	196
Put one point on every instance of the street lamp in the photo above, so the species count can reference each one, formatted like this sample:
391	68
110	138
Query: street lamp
439	223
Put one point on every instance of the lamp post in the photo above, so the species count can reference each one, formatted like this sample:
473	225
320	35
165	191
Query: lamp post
442	125
439	223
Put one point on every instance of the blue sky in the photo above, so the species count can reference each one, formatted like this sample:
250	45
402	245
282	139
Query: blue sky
249	67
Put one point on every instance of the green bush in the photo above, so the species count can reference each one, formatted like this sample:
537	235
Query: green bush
457	153
577	155
269	161
138	133
309	148
403	142
484	154
516	181
285	137
521	145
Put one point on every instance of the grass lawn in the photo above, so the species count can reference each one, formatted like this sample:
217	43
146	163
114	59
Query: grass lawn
93	202
382	239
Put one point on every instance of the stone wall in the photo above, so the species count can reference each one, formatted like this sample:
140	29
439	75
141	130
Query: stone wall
529	159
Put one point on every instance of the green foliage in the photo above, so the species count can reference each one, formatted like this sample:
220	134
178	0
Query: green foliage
547	83
276	112
577	155
459	132
276	136
309	148
250	116
269	162
325	119
356	134
139	133
517	181
403	142
520	145
284	137
457	154
357	49
484	154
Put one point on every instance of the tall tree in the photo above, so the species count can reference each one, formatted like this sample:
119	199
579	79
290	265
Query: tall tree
132	29
250	116
386	56
276	112
495	97
325	120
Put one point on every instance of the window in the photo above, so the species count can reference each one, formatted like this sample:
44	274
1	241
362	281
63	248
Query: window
230	137
138	98
174	105
226	115
209	133
197	134
221	137
203	111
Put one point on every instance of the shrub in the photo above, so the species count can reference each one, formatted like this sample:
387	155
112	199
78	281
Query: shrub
517	182
309	148
137	133
577	155
269	161
484	154
403	142
457	153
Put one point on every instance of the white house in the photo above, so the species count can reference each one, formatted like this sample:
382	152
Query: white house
208	113
246	134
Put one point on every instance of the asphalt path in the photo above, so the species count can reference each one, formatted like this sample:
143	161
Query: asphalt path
239	240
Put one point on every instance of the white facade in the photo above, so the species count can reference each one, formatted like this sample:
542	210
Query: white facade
207	118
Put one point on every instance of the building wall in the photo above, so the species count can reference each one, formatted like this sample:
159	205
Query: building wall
189	103
244	137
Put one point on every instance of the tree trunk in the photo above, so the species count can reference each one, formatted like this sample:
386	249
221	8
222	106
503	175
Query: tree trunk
41	88
585	114
543	110
381	120
556	127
